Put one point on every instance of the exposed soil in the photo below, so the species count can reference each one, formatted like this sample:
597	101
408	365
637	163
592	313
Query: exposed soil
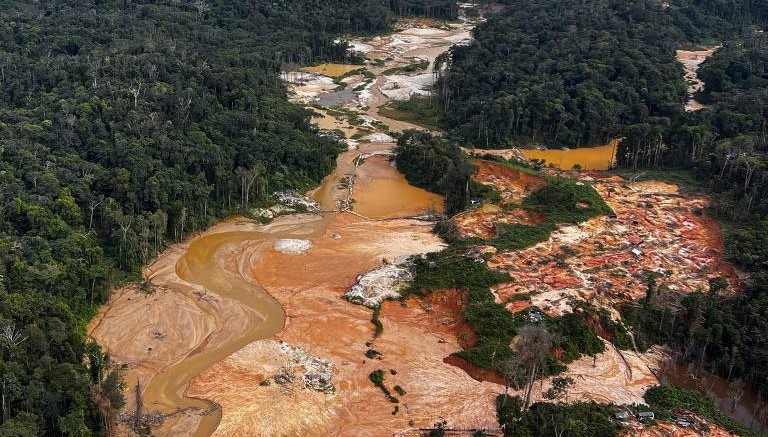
514	185
668	429
483	224
311	286
327	122
603	260
619	377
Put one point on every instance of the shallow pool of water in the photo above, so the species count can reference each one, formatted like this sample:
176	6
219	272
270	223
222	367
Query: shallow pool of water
381	192
332	70
587	158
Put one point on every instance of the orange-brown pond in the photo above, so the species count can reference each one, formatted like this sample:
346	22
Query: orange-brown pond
332	70
586	158
383	192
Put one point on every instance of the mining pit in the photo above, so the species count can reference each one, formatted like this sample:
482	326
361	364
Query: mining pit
248	329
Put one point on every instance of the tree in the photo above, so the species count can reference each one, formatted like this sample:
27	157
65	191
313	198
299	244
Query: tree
559	389
23	425
533	345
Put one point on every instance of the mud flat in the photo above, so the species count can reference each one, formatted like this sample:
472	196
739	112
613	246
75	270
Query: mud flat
212	348
311	288
202	310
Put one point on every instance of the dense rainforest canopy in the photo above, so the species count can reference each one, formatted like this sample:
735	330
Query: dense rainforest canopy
574	73
563	73
125	124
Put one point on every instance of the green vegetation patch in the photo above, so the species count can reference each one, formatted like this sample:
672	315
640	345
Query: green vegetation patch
419	110
664	399
377	378
562	200
565	200
413	67
583	419
457	268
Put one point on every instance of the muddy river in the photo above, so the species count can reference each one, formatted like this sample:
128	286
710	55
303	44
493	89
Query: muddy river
210	306
246	321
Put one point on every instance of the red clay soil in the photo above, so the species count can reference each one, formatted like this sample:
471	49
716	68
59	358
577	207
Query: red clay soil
445	311
668	429
654	229
514	185
483	224
475	372
517	306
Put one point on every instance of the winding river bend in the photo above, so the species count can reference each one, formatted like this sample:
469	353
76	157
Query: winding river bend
210	350
208	304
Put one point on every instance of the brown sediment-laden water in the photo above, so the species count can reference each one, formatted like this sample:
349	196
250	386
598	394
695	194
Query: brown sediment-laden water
204	349
585	158
736	399
246	331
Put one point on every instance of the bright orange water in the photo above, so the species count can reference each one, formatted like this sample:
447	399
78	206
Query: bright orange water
588	158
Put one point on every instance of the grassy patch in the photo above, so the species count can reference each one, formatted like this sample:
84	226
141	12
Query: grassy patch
413	67
562	200
452	269
516	237
418	110
565	200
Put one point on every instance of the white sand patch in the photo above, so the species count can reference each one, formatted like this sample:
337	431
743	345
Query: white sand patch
292	246
365	96
351	144
380	284
357	46
460	38
307	86
406	42
426	32
379	137
399	87
570	235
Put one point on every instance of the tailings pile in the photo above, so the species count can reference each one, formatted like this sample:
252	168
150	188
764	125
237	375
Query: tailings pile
655	231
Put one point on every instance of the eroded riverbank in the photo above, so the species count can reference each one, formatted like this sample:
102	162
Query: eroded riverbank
247	331
204	350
